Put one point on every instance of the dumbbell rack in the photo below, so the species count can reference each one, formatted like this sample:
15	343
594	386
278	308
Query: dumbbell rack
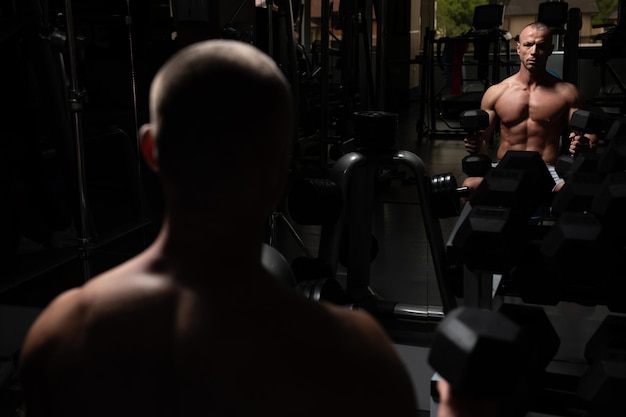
356	174
573	381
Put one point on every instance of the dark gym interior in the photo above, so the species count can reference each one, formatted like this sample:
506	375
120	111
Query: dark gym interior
78	199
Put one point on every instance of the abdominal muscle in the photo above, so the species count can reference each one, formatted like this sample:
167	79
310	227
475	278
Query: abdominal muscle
531	119
531	136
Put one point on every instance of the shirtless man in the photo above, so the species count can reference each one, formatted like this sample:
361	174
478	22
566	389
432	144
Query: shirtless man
533	107
194	325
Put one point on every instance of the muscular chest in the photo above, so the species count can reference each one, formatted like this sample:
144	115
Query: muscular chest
537	107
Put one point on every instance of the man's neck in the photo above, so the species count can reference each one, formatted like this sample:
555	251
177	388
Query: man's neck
209	243
532	78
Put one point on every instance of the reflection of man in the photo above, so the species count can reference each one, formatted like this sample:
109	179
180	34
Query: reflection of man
532	107
195	325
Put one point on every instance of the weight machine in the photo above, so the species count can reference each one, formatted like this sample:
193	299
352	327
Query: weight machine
612	48
492	54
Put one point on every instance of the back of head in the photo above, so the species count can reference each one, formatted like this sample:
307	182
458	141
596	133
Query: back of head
221	114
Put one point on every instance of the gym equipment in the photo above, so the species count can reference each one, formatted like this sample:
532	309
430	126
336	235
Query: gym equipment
375	130
276	264
582	122
613	47
356	173
496	227
491	233
613	158
541	343
604	383
307	268
524	170
314	201
473	122
348	239
323	289
445	195
569	232
473	350
609	203
571	50
553	14
586	162
578	193
534	280
496	355
572	237
329	290
543	339
492	54
488	239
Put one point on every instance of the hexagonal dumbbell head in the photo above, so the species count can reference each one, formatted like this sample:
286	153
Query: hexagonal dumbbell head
609	203
584	121
474	121
478	352
614	156
604	383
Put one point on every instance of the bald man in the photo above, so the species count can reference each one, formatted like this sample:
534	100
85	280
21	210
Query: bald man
195	325
532	107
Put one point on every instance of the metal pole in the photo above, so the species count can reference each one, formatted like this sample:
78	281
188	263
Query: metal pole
270	28
324	87
76	106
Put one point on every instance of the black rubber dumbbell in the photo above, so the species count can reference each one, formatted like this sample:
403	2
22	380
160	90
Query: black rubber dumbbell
575	235
582	122
613	157
473	122
494	355
604	382
477	352
445	195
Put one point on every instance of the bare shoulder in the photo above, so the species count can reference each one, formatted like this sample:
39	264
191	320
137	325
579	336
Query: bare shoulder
82	313
571	93
362	322
65	313
363	353
496	91
54	341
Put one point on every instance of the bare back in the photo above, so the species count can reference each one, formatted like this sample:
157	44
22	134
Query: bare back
158	347
532	117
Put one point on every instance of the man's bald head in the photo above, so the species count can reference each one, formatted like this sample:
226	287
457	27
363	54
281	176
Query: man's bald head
221	111
539	27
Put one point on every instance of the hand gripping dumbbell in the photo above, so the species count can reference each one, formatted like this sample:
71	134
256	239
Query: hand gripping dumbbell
582	122
473	122
497	356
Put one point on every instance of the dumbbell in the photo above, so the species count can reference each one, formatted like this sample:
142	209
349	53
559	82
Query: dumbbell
473	122
445	195
491	355
582	122
574	235
520	181
323	289
494	355
604	382
613	158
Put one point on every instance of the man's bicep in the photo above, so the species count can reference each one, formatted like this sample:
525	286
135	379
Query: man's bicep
576	99
488	104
